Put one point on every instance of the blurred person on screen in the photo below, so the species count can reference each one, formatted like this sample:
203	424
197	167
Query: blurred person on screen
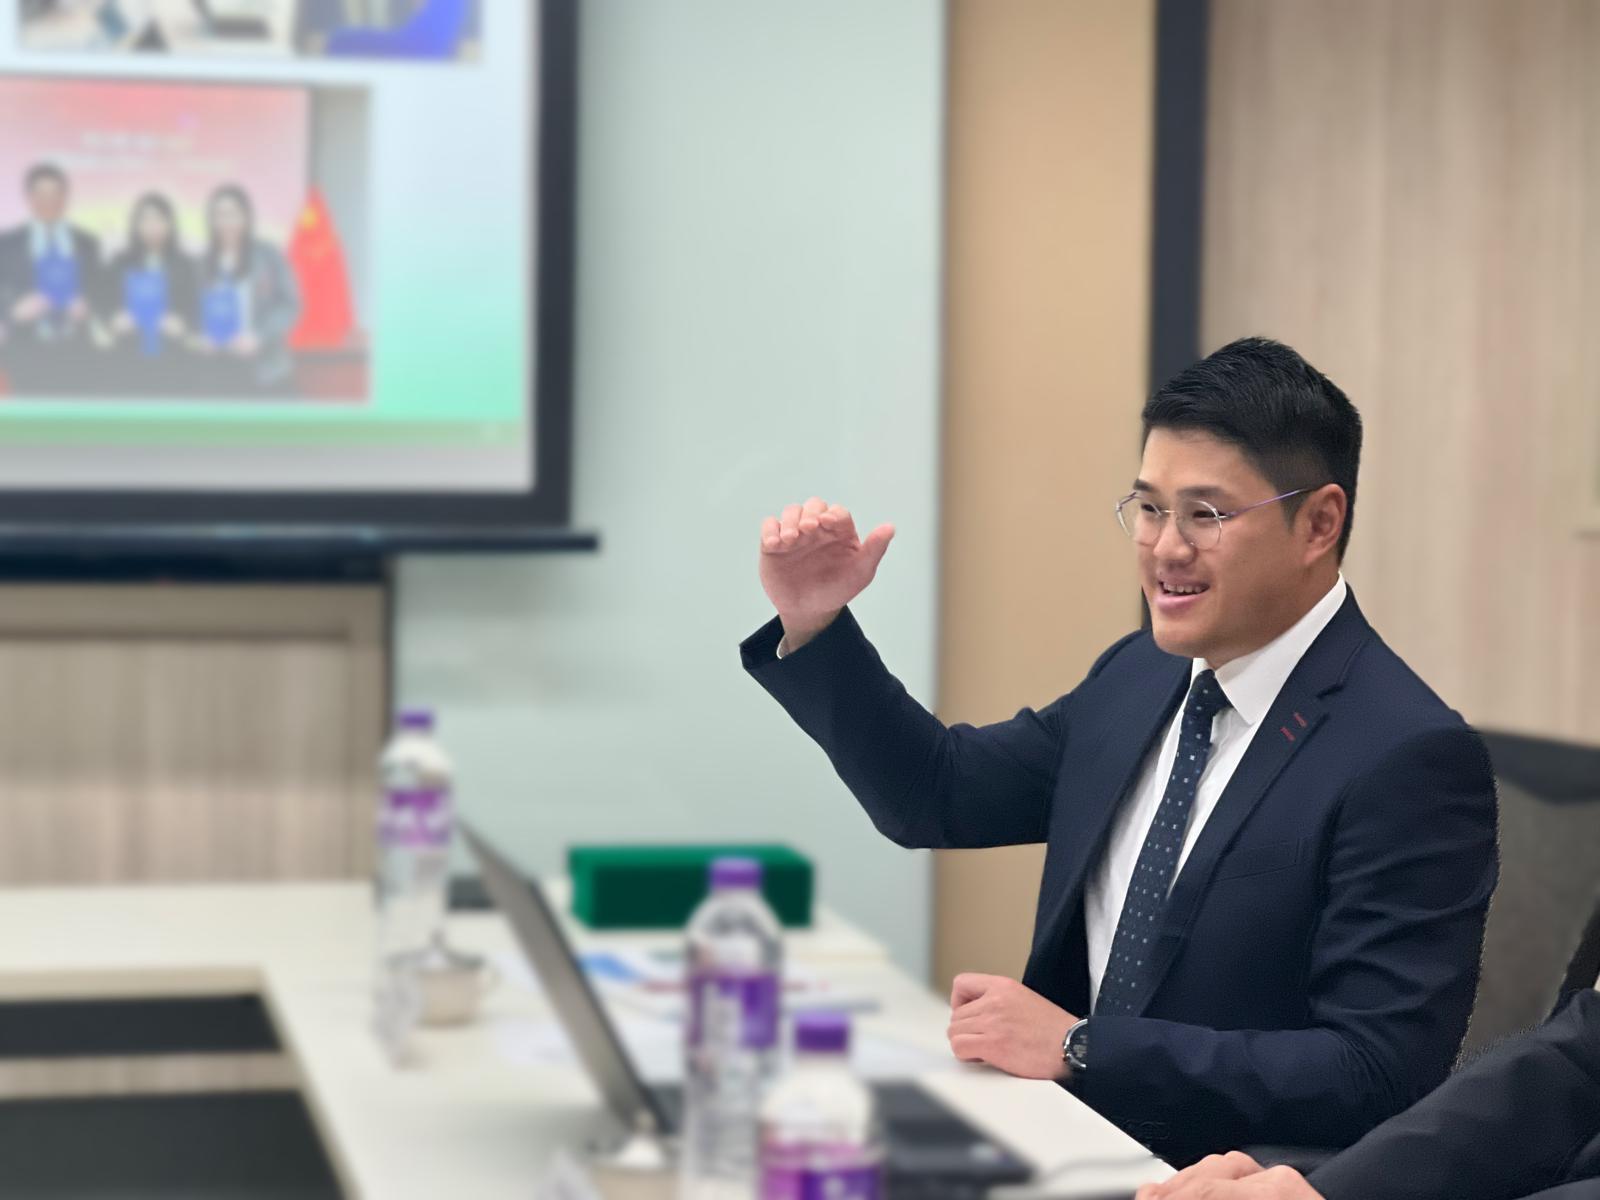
248	300
153	284
51	285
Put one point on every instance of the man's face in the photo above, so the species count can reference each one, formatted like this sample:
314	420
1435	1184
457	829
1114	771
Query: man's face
47	200
1224	601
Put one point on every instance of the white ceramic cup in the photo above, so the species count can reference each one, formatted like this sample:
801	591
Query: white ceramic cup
453	985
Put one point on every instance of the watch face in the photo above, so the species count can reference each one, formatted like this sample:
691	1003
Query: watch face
1078	1046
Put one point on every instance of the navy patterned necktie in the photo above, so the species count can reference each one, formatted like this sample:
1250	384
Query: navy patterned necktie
1128	967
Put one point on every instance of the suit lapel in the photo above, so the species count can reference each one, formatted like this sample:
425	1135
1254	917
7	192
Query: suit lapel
1295	716
1126	729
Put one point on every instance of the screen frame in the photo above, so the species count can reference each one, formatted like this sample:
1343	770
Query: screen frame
392	516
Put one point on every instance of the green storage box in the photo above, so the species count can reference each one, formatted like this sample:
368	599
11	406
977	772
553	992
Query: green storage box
657	887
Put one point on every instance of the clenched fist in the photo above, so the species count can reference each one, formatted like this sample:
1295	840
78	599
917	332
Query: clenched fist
998	1021
813	564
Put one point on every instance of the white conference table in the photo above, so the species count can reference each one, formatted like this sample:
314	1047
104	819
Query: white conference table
487	1105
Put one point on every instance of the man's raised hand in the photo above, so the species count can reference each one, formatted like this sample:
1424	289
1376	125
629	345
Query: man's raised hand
813	563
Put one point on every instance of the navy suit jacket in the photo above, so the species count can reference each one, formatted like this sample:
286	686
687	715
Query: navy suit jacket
1522	1118
1318	956
16	268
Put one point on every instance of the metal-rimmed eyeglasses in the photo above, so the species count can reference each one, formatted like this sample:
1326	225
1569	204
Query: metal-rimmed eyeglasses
1199	522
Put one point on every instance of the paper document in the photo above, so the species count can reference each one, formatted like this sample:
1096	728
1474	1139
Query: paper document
652	982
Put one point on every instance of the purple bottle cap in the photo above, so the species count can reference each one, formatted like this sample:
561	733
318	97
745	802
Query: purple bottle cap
420	719
822	1032
735	873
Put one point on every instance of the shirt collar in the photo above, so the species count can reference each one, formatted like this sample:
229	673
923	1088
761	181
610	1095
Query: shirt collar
47	236
1252	681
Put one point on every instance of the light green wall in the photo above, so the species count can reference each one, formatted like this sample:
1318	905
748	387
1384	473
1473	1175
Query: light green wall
758	319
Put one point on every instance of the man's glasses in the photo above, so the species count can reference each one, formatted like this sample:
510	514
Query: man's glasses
1199	523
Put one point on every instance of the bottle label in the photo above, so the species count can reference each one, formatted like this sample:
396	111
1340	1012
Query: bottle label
733	1008
415	817
853	1182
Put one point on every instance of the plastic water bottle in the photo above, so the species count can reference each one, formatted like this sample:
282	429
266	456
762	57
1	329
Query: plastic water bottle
819	1135
735	970
413	873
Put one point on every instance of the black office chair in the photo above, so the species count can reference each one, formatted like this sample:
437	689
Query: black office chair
1549	851
1549	848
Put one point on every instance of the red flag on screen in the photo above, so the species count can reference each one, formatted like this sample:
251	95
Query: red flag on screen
327	316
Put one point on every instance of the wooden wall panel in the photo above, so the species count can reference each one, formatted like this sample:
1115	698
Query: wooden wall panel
1047	310
1409	193
163	733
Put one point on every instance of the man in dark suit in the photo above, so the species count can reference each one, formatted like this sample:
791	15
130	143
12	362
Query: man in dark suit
1270	848
1523	1121
50	287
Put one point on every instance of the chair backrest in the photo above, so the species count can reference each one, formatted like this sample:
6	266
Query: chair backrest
1549	881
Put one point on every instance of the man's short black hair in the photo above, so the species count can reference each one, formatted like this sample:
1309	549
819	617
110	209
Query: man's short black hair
40	172
1291	421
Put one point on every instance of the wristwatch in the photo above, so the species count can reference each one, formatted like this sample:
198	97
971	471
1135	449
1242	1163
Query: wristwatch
1075	1047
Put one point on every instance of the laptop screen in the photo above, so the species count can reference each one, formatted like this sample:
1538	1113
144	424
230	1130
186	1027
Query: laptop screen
599	1048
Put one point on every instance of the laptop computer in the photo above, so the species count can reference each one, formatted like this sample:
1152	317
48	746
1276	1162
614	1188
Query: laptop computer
930	1151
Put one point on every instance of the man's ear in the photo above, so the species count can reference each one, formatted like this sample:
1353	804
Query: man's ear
1323	516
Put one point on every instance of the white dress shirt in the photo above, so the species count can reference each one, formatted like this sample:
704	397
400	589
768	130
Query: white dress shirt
42	238
1251	684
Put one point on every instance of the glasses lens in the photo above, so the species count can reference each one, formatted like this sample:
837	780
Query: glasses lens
1200	524
1140	520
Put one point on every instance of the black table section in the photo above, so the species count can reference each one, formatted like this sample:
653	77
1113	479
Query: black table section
156	1025
230	1146
216	1145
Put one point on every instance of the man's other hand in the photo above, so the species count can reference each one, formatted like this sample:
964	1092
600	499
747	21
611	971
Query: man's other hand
997	1021
1234	1176
813	564
29	308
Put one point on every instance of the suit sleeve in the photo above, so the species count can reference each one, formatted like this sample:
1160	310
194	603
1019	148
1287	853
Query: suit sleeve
1583	1189
280	316
1507	1125
16	277
923	784
1392	969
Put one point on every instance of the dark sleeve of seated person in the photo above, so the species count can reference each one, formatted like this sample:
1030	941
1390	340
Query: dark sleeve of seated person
1522	1122
1522	1118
